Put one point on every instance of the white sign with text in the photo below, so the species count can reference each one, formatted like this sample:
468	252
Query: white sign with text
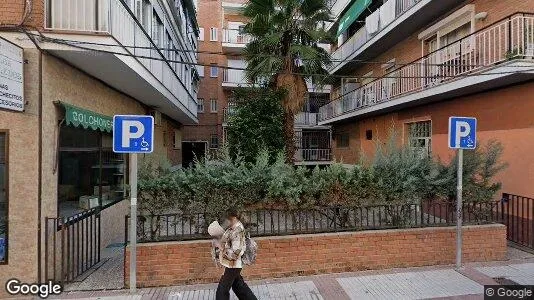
11	76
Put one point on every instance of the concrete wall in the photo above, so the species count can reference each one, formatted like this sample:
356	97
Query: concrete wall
175	263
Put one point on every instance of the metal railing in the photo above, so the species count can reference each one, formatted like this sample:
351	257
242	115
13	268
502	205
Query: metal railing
233	36
270	222
234	77
518	216
507	39
306	118
313	155
115	18
356	41
72	245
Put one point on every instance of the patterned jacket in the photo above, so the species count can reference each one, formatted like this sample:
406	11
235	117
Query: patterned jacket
233	246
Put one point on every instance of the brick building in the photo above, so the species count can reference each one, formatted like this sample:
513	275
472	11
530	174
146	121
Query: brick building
221	43
67	67
411	64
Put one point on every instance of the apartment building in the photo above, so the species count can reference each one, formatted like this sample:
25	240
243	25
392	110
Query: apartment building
221	43
412	64
67	67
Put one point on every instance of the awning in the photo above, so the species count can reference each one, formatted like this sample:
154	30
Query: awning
77	117
352	14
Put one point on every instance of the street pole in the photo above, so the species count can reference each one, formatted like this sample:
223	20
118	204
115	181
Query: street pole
459	209
133	222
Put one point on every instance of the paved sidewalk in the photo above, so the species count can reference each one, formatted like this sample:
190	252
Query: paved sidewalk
436	282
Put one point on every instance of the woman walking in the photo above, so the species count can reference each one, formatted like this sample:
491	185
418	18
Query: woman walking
232	246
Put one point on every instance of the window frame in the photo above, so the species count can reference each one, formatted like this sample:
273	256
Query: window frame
200	105
211	141
214	37
428	140
339	139
6	141
216	68
201	34
212	101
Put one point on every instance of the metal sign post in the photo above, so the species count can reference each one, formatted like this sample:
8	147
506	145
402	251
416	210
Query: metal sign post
133	134
459	205
133	222
462	135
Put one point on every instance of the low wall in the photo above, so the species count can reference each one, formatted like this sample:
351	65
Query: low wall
176	263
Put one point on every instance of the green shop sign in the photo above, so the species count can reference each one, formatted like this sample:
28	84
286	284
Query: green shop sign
87	119
352	14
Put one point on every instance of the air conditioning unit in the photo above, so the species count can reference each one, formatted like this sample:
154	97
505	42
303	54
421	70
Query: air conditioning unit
157	117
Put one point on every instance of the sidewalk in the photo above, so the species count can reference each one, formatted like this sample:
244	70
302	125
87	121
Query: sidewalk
435	282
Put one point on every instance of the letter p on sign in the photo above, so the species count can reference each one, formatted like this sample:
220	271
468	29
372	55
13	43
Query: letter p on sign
462	133
133	134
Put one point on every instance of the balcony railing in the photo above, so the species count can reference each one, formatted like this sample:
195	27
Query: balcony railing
313	155
233	36
236	77
114	18
306	118
356	41
507	39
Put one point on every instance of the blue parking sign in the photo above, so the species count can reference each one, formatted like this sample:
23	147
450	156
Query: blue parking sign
462	133
133	134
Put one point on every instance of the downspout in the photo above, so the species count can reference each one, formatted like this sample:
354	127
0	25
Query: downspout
40	167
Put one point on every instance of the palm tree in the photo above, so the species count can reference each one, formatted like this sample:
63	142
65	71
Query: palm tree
284	52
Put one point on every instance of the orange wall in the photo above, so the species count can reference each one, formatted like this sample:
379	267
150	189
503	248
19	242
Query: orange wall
504	114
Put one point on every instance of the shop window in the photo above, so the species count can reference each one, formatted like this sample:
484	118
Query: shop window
214	141
91	175
3	197
342	140
420	138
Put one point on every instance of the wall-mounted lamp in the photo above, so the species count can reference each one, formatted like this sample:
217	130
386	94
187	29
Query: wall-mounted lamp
481	16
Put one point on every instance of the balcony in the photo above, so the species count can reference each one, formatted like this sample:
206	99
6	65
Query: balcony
313	147
136	67
410	16
499	55
233	41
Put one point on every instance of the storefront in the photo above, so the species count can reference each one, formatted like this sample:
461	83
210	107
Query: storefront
90	175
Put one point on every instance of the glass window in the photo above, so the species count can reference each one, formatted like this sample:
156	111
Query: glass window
157	30
213	34
214	71
213	105
420	138
200	102
342	140
3	197
201	34
90	173
214	141
200	71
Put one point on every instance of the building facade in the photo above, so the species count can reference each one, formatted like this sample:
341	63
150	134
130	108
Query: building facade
411	64
70	66
221	43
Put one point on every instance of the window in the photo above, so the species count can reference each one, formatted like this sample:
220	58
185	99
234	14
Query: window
200	71
3	196
142	12
214	141
177	139
200	104
170	46
214	70
201	34
157	30
420	138
213	105
213	34
90	173
342	140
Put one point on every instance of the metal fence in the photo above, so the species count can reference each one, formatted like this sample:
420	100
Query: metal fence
72	245
518	216
271	222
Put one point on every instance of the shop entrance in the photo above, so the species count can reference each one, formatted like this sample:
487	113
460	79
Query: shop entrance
192	151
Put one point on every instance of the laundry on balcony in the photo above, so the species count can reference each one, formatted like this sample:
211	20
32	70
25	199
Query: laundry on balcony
372	22
387	13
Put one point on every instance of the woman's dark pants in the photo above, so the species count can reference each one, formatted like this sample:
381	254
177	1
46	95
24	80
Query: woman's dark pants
232	279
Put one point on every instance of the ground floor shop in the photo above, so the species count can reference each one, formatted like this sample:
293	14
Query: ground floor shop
503	114
56	160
